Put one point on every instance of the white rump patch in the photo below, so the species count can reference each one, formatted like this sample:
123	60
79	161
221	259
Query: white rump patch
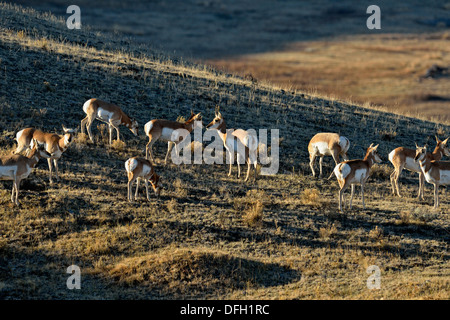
86	105
131	164
342	170
344	143
148	126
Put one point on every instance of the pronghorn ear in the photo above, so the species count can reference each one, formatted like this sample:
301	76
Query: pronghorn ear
376	147
371	145
417	147
64	128
437	139
445	142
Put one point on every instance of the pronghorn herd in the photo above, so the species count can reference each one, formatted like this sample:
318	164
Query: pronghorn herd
237	142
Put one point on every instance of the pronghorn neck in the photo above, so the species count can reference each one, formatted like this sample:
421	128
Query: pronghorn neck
425	163
125	119
33	159
62	143
189	125
437	153
370	159
222	130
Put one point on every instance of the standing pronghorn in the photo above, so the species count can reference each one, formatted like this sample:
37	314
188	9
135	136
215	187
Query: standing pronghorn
138	168
236	142
327	144
109	113
403	158
53	144
18	167
172	132
435	172
353	172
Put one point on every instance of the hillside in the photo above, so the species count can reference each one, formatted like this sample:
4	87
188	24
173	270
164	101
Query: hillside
198	240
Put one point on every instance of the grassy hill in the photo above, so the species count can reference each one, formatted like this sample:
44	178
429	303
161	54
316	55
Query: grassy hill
209	236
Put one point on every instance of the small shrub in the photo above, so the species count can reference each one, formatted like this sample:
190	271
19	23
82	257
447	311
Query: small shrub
253	214
311	197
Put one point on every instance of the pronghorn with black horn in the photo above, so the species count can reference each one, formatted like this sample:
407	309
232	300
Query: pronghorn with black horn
353	172
17	167
53	144
435	172
172	132
236	142
403	158
109	113
327	144
140	168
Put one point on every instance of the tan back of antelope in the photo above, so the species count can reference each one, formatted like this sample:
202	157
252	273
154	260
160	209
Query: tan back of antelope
140	168
109	113
435	172
327	144
403	158
53	144
172	132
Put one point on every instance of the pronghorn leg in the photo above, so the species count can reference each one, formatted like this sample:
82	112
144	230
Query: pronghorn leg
89	128
137	187
130	188
396	178
170	145
16	186
320	164
392	176
13	191
312	158
351	197
421	186
84	124
231	163
254	162
49	160
148	149
110	129
436	196
146	189
55	162
362	195
249	166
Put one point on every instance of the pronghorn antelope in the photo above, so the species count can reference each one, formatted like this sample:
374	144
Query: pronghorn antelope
236	141
327	144
109	113
435	172
53	144
403	158
353	172
172	132
18	167
138	168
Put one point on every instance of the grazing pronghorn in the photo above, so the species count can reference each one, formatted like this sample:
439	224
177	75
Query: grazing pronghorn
17	167
403	158
353	172
327	144
236	141
138	168
53	144
435	172
109	113
172	132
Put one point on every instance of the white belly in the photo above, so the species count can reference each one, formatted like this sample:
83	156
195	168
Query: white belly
104	115
411	165
322	148
145	170
445	177
7	172
169	134
360	176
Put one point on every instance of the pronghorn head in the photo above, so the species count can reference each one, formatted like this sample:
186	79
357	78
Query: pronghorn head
38	150
196	119
372	152
134	126
443	146
69	135
421	153
217	121
156	184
